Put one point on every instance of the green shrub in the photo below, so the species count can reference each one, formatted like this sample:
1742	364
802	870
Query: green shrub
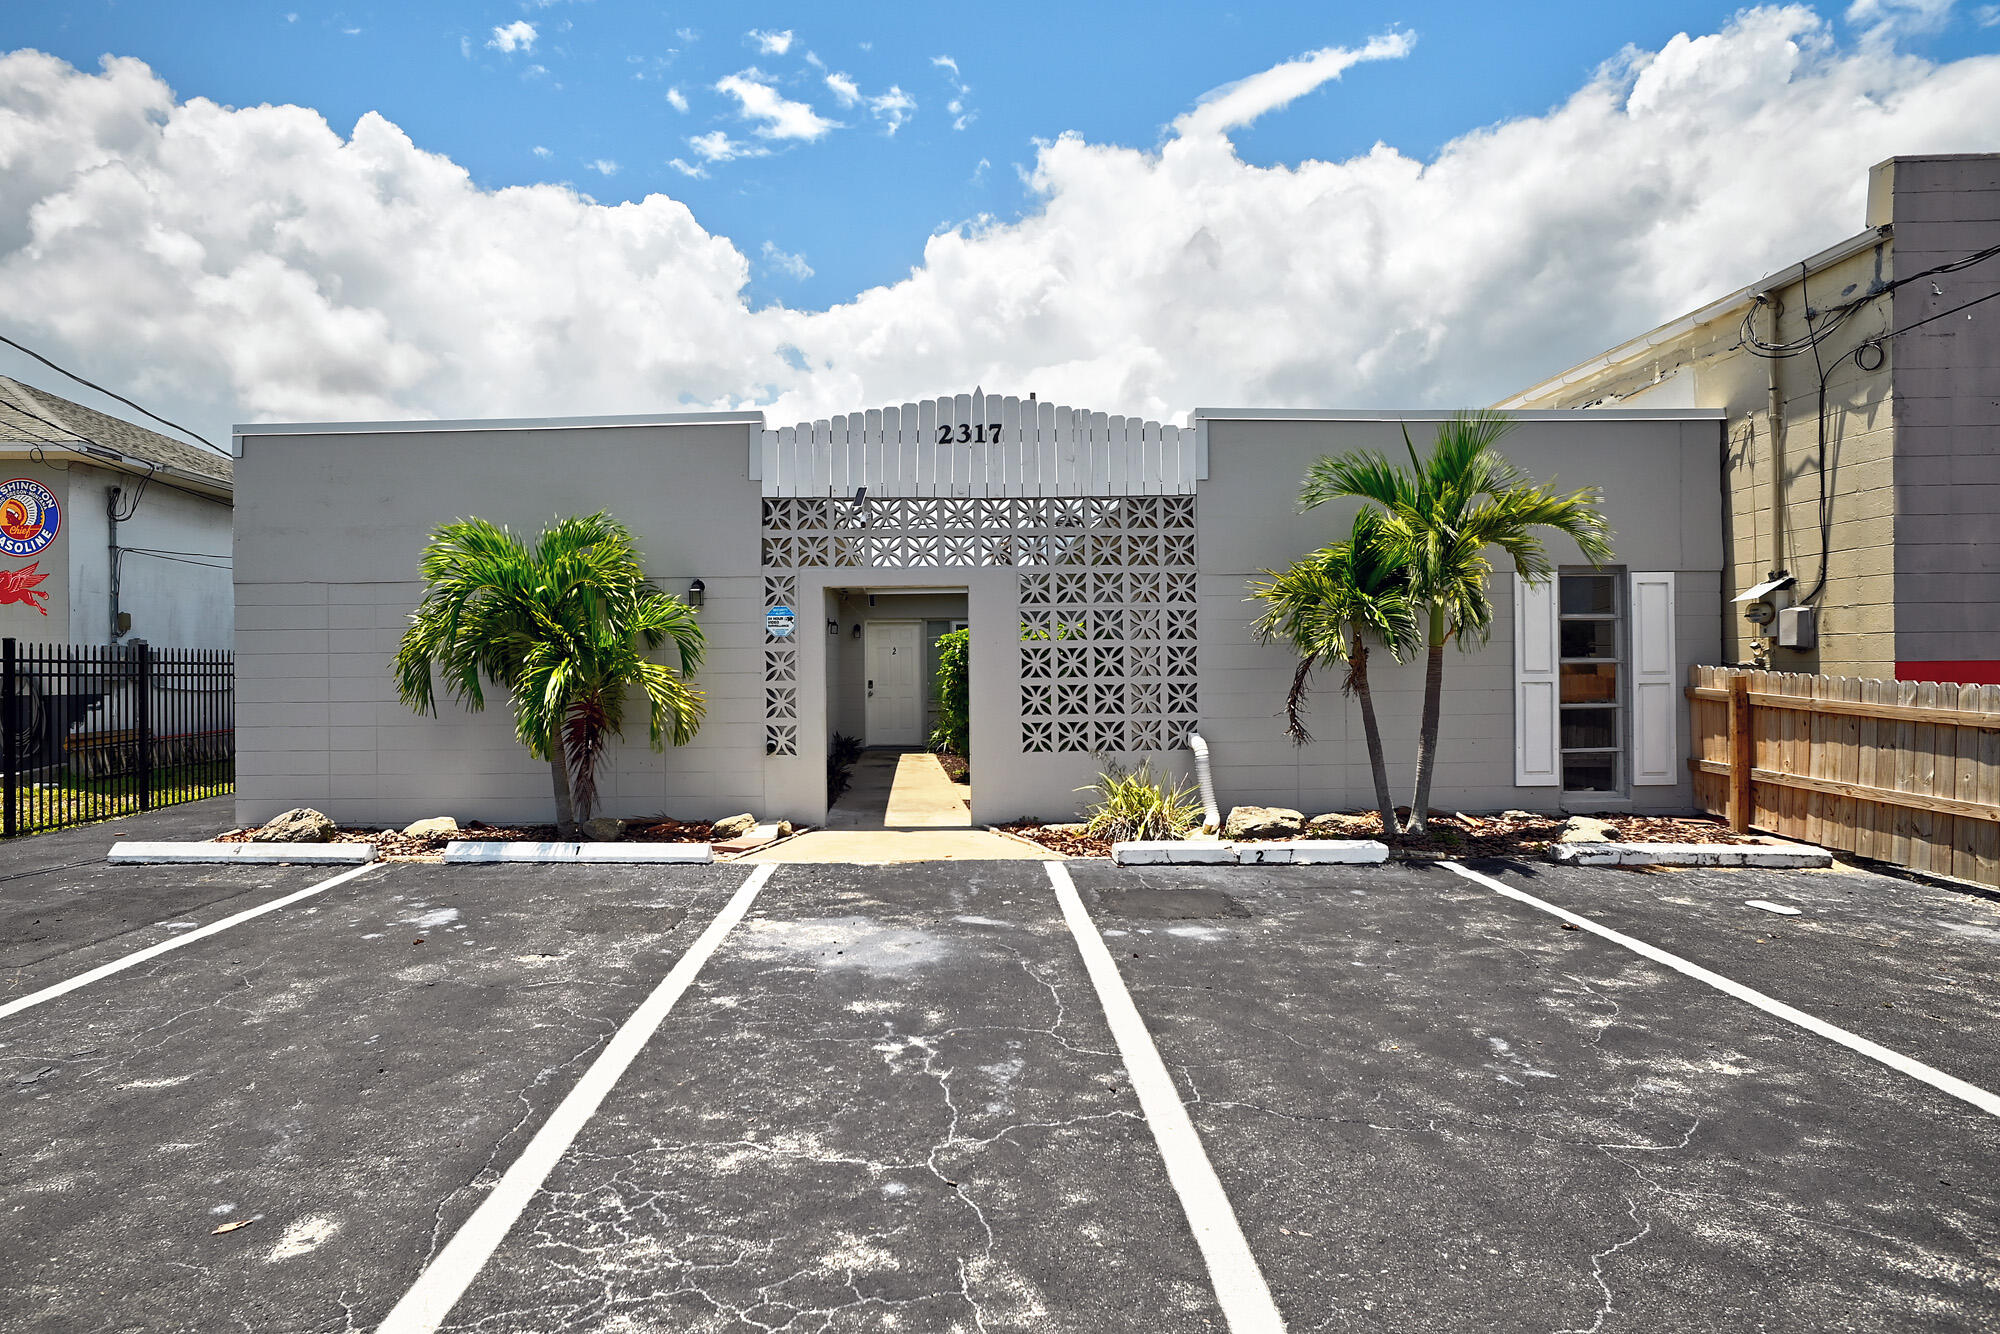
841	754
1132	804
953	733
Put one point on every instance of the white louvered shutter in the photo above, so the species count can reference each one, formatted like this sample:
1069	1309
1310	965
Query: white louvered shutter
1655	699
1537	704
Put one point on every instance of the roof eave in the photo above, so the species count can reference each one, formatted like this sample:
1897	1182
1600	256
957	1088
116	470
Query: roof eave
1635	348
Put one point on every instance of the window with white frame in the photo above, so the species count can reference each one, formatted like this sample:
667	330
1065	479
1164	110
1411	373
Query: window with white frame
1590	640
1596	707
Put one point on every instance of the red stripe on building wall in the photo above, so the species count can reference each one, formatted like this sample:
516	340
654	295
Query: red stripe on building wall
1961	671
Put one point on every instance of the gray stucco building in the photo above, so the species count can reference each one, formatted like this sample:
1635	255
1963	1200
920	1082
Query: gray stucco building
1101	565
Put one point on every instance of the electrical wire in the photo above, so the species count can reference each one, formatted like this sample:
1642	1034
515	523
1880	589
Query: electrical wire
194	435
169	551
178	560
117	455
1830	321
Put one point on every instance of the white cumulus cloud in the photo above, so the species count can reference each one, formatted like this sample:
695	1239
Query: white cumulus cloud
960	105
774	116
234	264
771	43
516	36
1885	17
794	265
1237	104
891	108
677	99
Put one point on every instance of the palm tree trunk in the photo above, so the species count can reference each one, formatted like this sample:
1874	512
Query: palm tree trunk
1358	673
565	808
1427	738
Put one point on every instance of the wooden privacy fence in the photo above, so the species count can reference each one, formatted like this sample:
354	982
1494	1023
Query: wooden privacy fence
1901	771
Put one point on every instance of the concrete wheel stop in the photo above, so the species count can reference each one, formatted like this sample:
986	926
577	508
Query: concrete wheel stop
265	854
475	853
1294	852
1773	853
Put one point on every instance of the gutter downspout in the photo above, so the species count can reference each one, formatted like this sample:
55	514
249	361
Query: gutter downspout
111	495
1211	813
1775	411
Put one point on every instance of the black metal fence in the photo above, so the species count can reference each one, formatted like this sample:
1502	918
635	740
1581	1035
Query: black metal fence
92	732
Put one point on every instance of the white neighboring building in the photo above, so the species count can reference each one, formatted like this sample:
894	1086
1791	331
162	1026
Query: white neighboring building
109	533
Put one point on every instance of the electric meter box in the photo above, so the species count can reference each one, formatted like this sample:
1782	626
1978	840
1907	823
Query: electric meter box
1795	627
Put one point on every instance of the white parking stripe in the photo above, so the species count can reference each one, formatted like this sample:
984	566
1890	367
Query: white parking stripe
1895	1060
155	951
1239	1284
430	1299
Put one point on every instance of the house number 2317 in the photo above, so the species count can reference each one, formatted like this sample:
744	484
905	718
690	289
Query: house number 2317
969	434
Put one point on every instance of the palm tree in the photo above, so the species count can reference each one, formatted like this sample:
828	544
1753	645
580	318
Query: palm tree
1327	607
564	627
1444	513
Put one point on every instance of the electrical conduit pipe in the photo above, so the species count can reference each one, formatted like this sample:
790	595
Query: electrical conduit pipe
1211	813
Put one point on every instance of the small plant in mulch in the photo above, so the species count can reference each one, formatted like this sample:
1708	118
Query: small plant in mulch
1511	834
841	753
1133	804
956	767
1067	839
392	844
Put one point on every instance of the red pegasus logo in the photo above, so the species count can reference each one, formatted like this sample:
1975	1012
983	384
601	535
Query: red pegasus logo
19	586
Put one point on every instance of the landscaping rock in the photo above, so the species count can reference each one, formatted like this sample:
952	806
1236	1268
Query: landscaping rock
735	826
1519	815
604	829
785	829
438	826
1071	828
1264	822
1587	829
302	825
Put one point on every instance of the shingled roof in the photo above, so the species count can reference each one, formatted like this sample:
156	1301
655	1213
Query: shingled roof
31	416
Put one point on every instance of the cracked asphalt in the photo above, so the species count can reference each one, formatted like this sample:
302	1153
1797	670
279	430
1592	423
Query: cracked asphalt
891	1101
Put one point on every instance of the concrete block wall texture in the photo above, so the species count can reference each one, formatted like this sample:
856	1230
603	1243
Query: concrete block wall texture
1947	409
334	520
1911	445
1659	493
326	571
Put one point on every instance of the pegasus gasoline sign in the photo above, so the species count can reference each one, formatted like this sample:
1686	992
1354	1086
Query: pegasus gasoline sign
29	517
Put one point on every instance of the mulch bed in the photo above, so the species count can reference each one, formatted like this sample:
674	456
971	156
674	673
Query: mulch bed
955	766
1509	834
1068	843
394	845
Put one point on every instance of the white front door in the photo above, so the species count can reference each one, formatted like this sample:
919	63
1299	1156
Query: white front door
895	660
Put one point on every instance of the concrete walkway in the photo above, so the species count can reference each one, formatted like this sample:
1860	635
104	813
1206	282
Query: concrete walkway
893	789
900	806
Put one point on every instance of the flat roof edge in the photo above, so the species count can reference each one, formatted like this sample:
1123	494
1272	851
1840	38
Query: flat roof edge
499	424
1444	414
1634	348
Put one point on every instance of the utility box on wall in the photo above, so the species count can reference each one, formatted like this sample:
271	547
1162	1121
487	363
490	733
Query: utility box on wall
1796	627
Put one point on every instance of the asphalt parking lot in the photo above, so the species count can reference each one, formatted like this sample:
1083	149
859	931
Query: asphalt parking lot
875	1098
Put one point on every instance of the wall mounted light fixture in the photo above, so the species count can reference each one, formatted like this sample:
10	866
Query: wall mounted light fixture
697	594
857	630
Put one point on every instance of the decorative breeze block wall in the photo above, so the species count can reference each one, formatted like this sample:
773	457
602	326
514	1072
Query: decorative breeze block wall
1106	595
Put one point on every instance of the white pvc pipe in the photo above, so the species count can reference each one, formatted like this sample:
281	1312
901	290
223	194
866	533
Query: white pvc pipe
1212	814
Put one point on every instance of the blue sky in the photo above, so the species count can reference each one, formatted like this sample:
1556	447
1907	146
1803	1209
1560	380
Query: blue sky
260	211
855	204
